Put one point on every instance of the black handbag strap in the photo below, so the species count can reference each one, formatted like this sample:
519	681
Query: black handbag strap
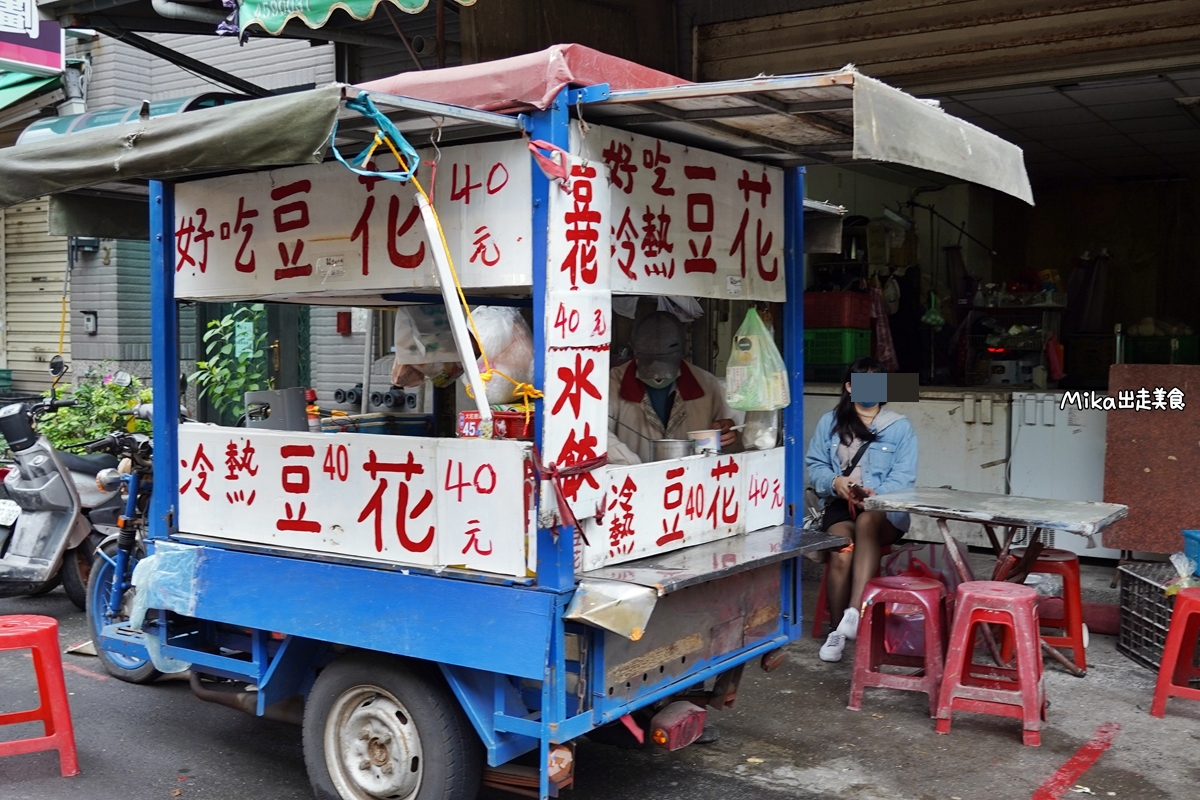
854	461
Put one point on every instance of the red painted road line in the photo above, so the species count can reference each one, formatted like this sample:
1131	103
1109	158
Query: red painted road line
1058	783
78	670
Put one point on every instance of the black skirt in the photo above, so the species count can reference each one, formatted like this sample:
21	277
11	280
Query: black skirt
836	510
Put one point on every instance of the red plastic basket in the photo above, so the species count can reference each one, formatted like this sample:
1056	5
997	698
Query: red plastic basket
505	425
837	310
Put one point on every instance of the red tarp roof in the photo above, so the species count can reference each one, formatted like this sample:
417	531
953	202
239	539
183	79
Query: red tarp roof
522	82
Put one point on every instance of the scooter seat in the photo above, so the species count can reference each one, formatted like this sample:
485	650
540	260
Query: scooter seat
89	464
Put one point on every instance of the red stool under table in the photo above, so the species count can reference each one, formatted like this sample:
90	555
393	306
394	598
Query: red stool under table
40	634
1179	654
871	654
821	612
988	689
1065	563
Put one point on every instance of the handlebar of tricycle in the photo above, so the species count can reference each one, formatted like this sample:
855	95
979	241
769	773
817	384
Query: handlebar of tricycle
109	442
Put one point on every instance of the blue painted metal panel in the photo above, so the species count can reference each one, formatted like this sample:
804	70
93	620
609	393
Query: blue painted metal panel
164	354
485	697
793	341
556	554
495	628
290	672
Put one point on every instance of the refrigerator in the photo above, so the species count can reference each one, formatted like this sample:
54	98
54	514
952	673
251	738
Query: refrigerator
1057	452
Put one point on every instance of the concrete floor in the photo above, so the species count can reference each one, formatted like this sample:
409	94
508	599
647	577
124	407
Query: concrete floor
790	736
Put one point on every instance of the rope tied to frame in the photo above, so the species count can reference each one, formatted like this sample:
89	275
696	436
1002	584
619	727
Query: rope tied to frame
389	135
555	475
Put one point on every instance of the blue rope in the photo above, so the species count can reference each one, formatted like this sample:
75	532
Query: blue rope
363	105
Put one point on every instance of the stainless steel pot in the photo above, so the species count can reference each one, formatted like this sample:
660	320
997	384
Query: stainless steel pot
665	449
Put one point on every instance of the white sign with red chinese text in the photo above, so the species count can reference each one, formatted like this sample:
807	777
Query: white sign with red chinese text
399	499
578	332
322	230
667	505
690	222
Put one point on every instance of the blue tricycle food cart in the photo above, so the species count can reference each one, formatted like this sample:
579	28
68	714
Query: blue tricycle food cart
434	609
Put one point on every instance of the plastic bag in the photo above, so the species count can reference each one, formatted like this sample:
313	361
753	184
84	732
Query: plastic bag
761	431
756	378
425	347
1186	567
904	629
927	560
508	342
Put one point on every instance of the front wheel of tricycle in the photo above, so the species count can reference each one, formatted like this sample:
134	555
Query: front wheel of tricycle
127	668
376	728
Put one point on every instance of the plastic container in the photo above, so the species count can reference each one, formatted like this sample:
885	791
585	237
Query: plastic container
505	425
1145	612
836	345
708	441
837	310
1191	547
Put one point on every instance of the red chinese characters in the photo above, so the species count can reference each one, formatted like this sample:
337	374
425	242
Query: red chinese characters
296	479
619	158
192	233
654	160
672	499
765	491
404	514
200	469
242	262
291	216
725	505
574	451
762	244
625	237
620	519
700	221
486	250
576	383
655	242
582	232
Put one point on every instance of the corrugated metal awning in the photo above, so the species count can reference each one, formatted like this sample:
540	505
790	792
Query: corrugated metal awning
830	118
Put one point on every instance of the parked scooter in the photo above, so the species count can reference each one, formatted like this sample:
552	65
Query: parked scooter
57	514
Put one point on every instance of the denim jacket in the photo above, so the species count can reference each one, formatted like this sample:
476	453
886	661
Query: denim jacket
889	464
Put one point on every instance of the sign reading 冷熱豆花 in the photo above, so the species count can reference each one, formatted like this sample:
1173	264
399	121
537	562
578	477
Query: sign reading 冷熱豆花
399	499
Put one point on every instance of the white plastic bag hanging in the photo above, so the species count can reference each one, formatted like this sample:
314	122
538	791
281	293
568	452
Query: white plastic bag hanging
508	342
424	347
756	378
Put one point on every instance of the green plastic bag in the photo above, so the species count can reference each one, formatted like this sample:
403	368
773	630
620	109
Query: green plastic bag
756	378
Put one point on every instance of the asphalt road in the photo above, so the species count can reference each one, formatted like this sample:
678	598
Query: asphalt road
147	742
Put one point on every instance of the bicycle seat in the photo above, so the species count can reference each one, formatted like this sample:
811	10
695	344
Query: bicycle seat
89	464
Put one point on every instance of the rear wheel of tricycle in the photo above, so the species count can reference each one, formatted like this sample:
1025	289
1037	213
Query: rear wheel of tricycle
130	669
377	728
77	568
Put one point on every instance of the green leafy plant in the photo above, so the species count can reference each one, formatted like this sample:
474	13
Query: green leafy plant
97	413
234	348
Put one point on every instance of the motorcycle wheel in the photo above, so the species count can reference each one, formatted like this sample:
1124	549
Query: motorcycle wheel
130	669
77	567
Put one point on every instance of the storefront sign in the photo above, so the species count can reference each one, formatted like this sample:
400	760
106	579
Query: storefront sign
666	505
29	44
322	230
690	222
403	500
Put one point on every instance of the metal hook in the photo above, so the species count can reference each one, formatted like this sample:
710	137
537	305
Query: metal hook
435	138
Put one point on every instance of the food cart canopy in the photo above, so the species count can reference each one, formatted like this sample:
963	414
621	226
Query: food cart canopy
272	16
837	117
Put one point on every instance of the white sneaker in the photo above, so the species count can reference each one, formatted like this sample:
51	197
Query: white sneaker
833	647
848	627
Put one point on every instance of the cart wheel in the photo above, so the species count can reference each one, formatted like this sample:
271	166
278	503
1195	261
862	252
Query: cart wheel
50	585
77	568
375	727
130	669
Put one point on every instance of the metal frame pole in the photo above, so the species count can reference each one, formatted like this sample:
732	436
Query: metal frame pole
793	342
164	354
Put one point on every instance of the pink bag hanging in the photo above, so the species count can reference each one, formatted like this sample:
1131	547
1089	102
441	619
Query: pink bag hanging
885	350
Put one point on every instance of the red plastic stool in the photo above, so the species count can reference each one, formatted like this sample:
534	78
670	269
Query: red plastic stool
1179	653
821	612
987	689
40	634
871	653
1066	564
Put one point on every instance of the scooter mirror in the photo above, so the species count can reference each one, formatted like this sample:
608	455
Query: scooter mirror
122	379
58	367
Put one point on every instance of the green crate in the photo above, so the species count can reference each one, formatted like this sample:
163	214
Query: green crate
5	380
1157	350
836	345
825	373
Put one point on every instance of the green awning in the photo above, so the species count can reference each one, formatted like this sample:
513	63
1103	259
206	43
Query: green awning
272	15
16	86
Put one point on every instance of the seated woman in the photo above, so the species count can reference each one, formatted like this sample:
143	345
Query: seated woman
858	450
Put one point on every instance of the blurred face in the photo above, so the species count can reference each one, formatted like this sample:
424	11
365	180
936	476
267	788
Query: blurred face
657	344
657	370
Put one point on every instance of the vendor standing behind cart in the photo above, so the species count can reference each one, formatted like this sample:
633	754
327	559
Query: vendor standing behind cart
658	395
858	450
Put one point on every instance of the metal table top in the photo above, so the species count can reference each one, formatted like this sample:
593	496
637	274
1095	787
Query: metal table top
669	572
1072	516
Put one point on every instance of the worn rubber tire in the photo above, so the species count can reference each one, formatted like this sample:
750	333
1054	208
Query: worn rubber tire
452	760
121	667
76	568
47	587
